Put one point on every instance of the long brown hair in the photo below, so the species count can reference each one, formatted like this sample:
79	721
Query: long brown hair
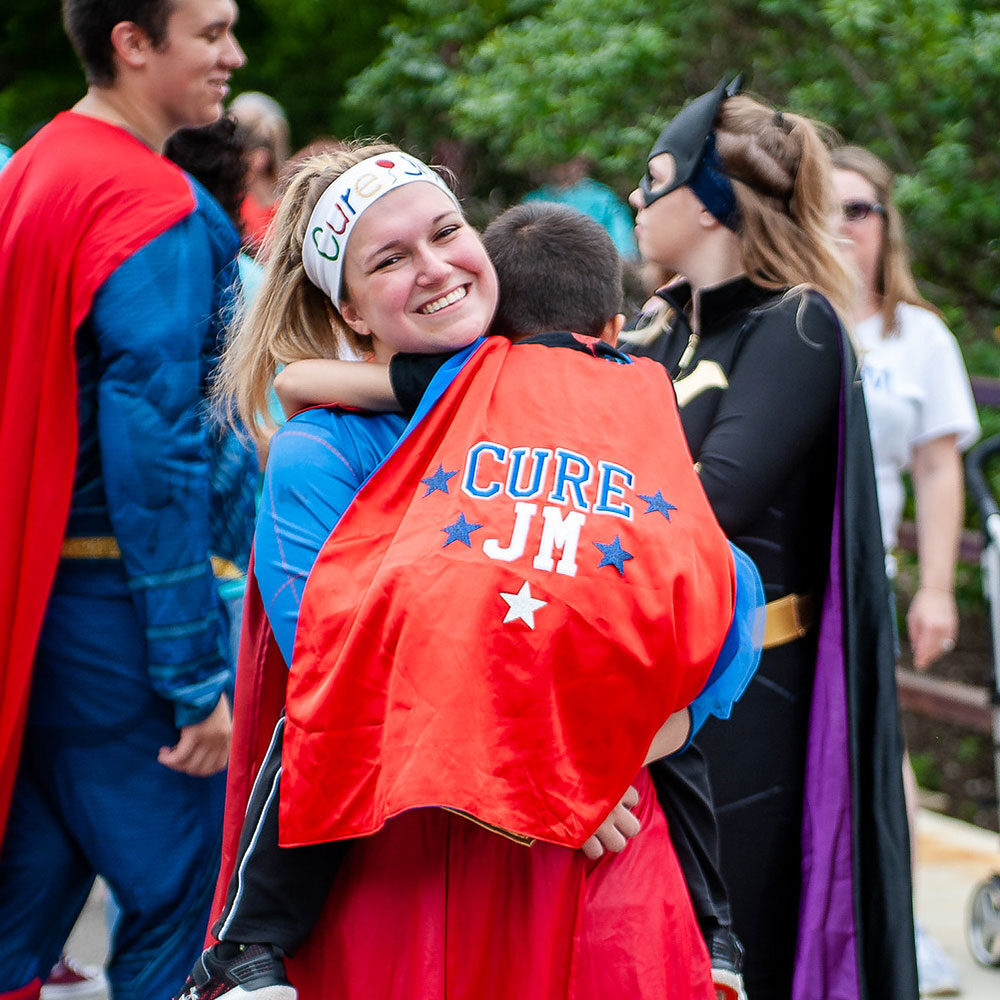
894	280
290	319
783	179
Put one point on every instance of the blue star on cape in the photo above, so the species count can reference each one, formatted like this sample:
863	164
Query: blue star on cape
438	481
459	531
614	555
657	505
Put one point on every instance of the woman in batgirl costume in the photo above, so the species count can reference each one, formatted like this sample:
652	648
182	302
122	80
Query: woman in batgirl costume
795	806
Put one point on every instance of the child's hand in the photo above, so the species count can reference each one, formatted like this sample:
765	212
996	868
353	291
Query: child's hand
617	830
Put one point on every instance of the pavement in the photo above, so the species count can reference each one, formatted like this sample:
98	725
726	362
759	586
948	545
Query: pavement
953	858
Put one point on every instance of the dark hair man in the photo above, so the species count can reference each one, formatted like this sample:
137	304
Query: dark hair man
113	266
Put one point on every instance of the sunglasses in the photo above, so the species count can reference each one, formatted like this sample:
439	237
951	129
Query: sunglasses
858	211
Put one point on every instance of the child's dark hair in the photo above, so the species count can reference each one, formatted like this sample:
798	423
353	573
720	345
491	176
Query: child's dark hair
215	155
558	270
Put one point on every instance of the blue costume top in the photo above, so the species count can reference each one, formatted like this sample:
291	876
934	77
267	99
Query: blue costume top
318	460
142	331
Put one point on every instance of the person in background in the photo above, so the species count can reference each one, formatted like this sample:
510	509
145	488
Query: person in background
570	184
115	268
266	136
805	832
411	275
922	417
214	155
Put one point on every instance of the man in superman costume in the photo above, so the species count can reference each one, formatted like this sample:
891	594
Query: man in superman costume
434	667
113	266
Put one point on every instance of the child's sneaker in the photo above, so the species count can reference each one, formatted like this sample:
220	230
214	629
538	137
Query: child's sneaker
726	954
256	971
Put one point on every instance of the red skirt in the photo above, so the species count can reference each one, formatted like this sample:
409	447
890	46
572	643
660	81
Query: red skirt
434	907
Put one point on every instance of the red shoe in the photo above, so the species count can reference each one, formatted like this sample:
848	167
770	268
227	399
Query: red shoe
69	981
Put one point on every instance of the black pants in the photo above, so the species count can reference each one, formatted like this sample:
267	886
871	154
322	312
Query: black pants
685	796
275	893
756	764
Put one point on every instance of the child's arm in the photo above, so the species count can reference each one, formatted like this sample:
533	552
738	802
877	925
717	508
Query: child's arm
621	826
670	737
319	381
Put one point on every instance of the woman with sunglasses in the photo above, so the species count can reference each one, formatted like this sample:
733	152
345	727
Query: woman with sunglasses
922	417
805	777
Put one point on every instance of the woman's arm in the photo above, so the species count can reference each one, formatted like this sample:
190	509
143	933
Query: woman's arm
932	621
364	385
783	394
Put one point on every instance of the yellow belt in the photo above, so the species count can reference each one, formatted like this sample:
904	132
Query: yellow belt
786	619
106	547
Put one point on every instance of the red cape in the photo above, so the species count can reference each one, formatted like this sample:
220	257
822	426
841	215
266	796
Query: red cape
414	682
78	200
434	906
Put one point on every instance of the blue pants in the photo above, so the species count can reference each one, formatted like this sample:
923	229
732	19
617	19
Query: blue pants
91	799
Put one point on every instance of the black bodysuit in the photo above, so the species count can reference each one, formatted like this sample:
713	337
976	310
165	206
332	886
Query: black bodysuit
759	399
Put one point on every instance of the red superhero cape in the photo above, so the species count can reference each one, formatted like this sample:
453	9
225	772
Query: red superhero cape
509	609
78	200
433	906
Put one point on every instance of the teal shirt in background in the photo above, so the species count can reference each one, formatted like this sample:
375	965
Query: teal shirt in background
600	203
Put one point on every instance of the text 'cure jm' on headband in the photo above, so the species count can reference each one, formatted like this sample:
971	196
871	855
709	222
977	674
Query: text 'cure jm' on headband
343	203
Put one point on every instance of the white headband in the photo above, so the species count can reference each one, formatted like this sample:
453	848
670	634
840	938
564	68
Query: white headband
342	204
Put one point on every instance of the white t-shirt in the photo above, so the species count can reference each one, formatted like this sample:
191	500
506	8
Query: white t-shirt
916	390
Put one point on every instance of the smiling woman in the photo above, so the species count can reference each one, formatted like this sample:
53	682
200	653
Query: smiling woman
497	690
380	234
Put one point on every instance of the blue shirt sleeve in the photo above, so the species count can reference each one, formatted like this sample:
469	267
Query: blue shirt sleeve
156	323
317	462
740	654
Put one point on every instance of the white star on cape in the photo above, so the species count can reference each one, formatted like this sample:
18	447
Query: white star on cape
522	605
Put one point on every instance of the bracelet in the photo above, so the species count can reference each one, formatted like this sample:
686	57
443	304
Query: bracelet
941	590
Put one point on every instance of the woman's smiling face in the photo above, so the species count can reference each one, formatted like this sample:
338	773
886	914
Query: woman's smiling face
416	275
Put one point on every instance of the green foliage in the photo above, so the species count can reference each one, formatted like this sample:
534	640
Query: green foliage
39	74
971	748
534	115
525	84
302	52
927	771
405	93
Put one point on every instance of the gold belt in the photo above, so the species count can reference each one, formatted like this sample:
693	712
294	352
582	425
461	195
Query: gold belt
518	838
788	618
106	547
